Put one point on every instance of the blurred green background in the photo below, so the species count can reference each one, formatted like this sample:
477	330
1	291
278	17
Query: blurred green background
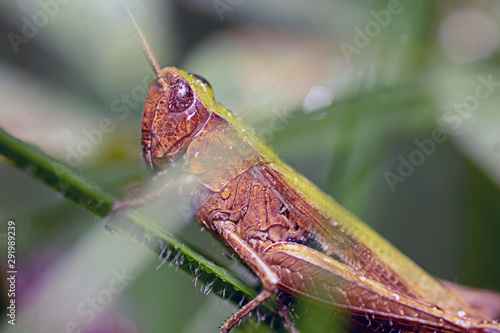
354	95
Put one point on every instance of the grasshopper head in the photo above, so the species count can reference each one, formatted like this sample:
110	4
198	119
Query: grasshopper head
177	107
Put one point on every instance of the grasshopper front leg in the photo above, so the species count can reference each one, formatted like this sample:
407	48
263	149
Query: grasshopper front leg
182	183
264	272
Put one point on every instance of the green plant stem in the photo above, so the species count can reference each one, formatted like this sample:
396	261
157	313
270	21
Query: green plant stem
131	224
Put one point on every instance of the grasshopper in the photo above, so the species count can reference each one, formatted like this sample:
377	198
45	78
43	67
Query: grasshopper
296	239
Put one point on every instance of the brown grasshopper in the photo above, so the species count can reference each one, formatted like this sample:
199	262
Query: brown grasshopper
296	239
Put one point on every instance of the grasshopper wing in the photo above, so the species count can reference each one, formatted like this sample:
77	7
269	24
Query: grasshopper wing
310	274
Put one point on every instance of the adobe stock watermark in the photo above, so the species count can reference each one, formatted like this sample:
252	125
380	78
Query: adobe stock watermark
120	106
454	118
416	158
89	308
276	123
225	6
458	111
31	25
11	275
372	28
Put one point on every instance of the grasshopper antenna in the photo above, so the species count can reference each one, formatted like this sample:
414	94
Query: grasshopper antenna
144	45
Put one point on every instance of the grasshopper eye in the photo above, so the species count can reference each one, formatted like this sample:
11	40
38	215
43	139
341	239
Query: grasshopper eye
202	80
180	97
203	84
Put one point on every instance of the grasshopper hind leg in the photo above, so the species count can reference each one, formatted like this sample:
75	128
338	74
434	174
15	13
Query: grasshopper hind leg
264	272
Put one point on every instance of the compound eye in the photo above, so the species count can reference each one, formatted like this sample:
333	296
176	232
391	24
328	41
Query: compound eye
202	80
180	97
205	85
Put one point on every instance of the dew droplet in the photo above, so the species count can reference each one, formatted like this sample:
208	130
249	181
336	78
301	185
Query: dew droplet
461	313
